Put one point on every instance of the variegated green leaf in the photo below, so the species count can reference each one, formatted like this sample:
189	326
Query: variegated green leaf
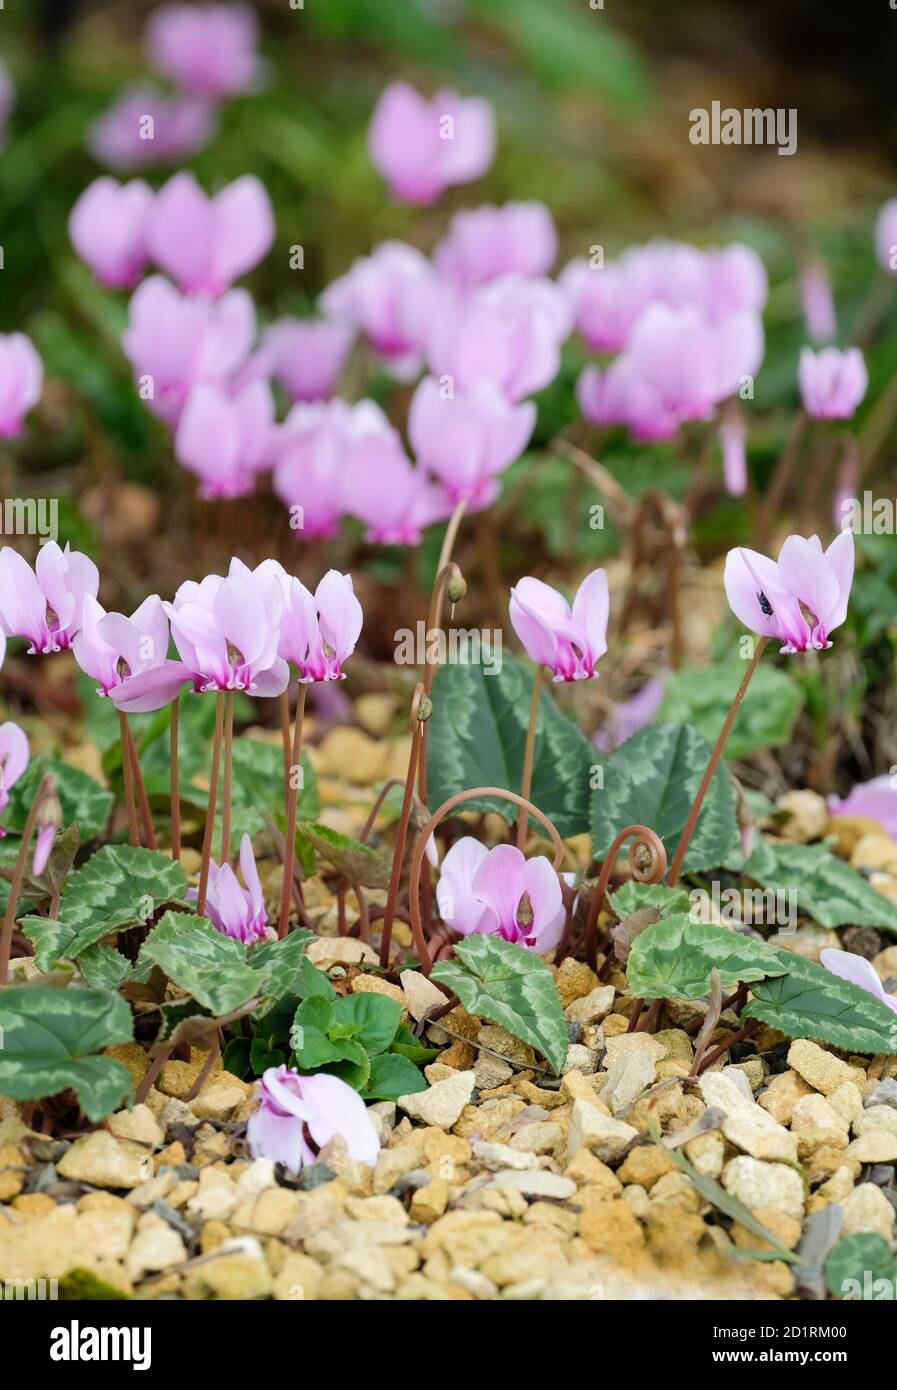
824	887
810	1002
673	958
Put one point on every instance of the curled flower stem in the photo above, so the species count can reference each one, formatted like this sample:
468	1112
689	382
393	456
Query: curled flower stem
645	841
710	769
420	944
146	815
128	776
526	780
289	853
18	874
213	802
228	775
175	786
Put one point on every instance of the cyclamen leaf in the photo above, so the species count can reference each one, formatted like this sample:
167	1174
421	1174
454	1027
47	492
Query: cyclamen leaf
393	1075
81	798
120	886
356	860
477	734
673	958
50	1037
501	981
765	717
634	895
862	1260
652	779
826	888
810	1002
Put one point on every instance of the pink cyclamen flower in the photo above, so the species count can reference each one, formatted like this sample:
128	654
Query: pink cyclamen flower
569	641
107	227
619	396
311	476
487	242
394	499
45	604
733	443
146	126
174	341
206	49
423	147
205	243
876	798
307	356
467	439
500	893
508	332
299	1114
47	823
21	381
735	281
858	971
111	647
886	237
14	755
798	598
387	297
832	383
234	910
818	304
628	716
226	440
603	300
318	631
7	100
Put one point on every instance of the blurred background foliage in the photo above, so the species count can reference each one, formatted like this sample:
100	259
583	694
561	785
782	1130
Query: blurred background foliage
593	108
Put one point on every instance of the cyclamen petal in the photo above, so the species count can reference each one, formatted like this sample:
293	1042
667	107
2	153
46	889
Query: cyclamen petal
857	971
21	381
206	49
800	598
499	892
45	604
423	147
298	1115
206	243
568	641
108	229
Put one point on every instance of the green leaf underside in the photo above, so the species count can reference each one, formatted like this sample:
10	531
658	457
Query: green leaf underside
825	887
499	980
811	1002
477	734
49	1038
863	1258
702	699
634	895
652	779
673	959
219	971
356	860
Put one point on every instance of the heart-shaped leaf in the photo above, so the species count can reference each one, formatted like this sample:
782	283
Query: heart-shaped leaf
634	895
824	887
501	981
810	1002
477	734
673	958
393	1075
356	860
81	798
652	779
50	1038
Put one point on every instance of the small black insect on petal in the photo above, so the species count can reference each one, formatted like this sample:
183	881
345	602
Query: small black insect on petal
765	604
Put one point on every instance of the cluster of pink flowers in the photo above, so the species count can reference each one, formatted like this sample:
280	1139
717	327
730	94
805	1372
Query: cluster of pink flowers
207	53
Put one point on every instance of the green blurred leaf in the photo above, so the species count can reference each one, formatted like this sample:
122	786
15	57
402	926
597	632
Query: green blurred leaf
702	698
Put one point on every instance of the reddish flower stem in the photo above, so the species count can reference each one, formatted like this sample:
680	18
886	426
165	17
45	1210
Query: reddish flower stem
526	780
228	775
18	875
128	777
175	786
284	706
398	855
146	815
212	806
289	853
711	767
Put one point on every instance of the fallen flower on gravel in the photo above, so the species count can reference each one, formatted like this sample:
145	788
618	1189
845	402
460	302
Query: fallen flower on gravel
45	604
798	598
108	229
299	1114
569	641
500	893
858	971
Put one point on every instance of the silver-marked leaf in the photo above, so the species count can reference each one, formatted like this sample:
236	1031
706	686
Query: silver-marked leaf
214	968
81	798
673	958
103	967
501	981
634	895
50	1038
477	734
824	887
810	1002
652	779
